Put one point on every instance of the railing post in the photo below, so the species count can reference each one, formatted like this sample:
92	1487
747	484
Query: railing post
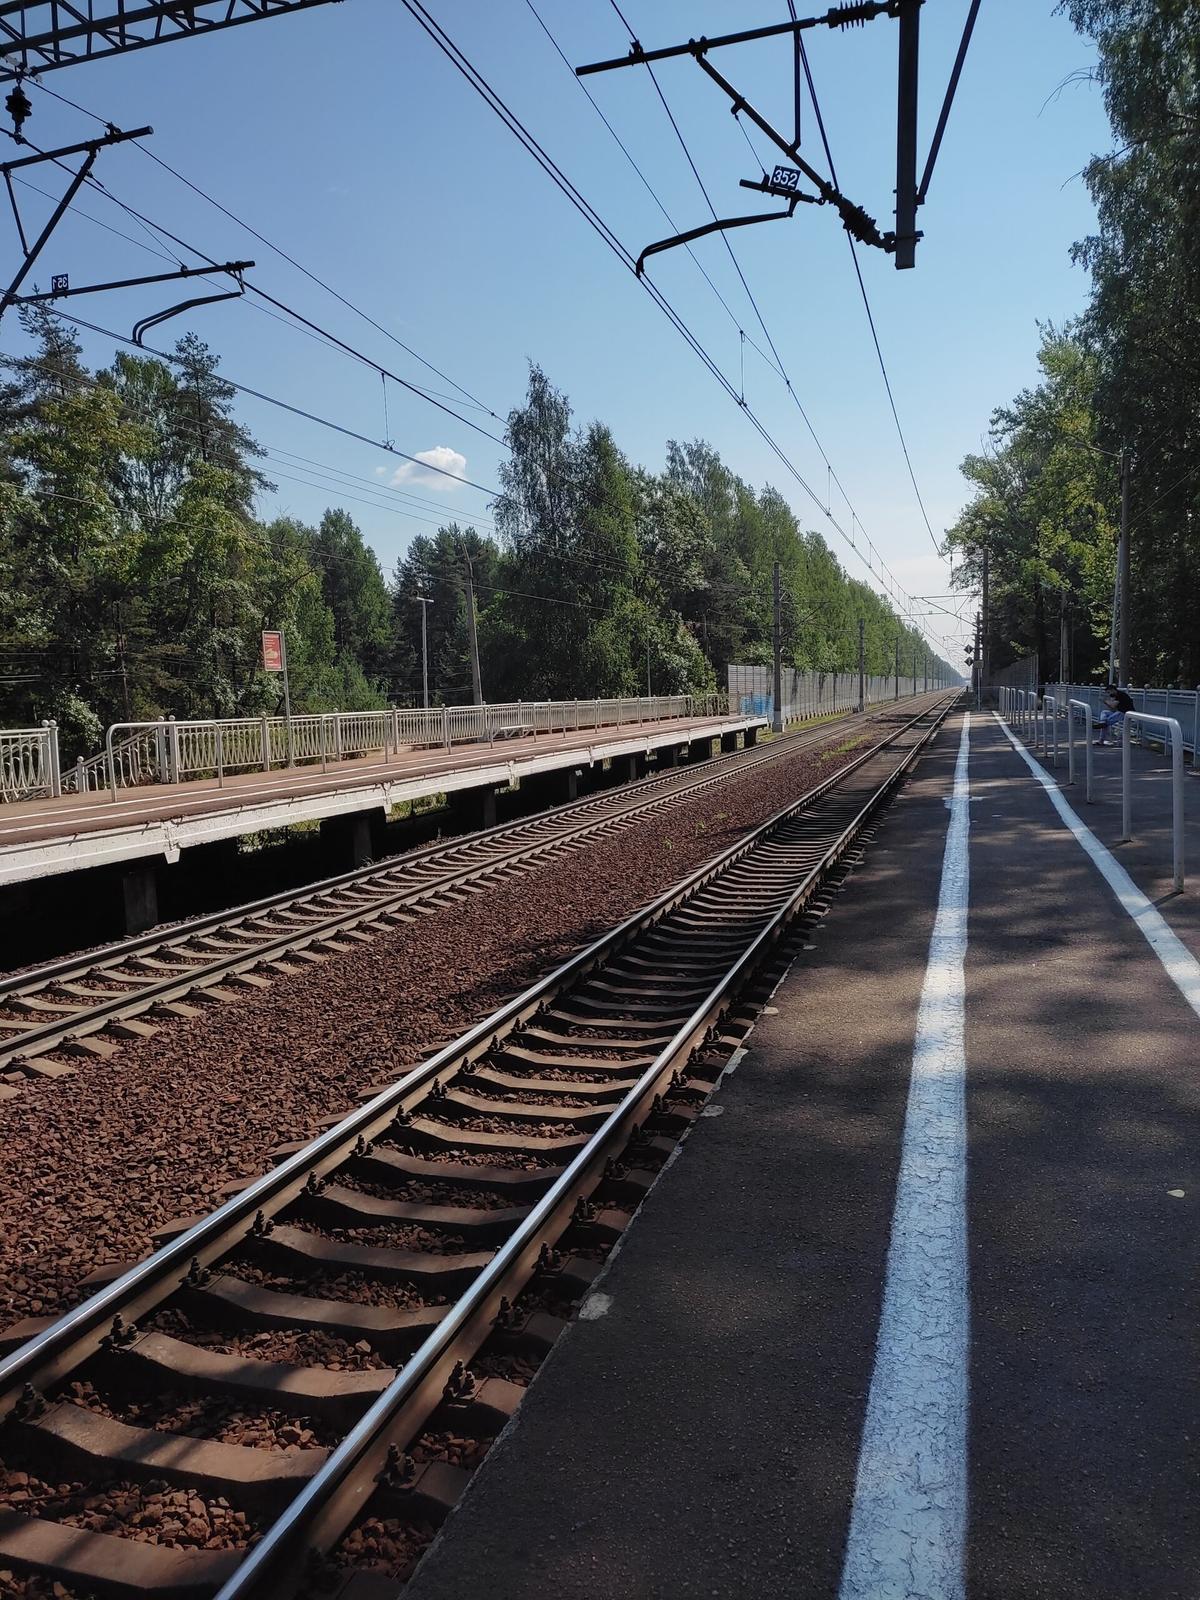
1126	783
220	732
324	717
172	751
108	761
53	752
1070	741
1177	837
266	744
446	726
395	731
337	735
1196	728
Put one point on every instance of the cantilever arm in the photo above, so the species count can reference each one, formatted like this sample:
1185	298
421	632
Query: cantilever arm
711	227
142	328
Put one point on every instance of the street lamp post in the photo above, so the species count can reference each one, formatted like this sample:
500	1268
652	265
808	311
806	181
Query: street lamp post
425	603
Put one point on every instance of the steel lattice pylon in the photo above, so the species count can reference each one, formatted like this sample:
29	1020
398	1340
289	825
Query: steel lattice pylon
37	37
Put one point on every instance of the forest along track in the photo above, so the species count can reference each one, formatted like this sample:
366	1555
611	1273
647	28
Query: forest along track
289	1396
83	1007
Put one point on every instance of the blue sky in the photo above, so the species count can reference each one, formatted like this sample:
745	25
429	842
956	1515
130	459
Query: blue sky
348	140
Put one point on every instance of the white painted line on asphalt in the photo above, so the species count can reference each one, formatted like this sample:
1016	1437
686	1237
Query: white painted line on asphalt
908	1522
1178	961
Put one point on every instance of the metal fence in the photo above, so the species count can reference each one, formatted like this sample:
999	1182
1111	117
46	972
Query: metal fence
1183	705
1065	708
167	751
29	762
814	694
1019	674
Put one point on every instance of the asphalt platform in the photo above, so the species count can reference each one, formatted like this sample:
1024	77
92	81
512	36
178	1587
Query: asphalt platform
697	1431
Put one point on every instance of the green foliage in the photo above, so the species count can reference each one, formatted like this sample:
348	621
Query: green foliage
135	580
1044	501
1128	374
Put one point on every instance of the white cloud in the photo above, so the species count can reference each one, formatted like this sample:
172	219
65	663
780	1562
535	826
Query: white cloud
380	472
441	456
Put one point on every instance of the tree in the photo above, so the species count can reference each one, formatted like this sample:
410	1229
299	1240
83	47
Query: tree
354	591
1143	322
1043	506
436	567
202	428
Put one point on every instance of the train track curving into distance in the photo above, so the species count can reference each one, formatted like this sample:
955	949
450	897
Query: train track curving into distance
293	1390
85	1006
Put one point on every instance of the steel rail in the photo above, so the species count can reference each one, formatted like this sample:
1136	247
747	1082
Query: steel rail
794	850
597	813
48	1356
351	1469
78	965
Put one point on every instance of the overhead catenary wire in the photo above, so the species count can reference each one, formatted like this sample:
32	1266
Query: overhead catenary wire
885	578
574	558
862	289
301	320
777	363
707	199
283	405
496	103
279	251
647	185
161	255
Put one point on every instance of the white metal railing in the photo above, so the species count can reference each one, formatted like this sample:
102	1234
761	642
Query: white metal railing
1041	727
1174	736
135	760
29	765
171	751
1181	704
1074	708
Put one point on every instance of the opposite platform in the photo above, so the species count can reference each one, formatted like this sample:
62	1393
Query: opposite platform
700	1430
39	838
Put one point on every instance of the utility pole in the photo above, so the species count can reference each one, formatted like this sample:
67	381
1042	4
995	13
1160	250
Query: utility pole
926	655
897	666
424	602
1123	626
476	683
862	680
978	667
984	656
777	704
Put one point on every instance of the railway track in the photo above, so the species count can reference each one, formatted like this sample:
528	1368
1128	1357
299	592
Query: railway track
86	1006
297	1387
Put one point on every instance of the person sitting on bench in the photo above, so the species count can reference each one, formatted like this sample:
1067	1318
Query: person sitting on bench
1112	718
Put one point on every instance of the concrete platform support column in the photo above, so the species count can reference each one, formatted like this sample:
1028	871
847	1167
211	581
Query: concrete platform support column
378	823
139	889
667	755
728	743
702	750
630	768
749	738
473	809
347	840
